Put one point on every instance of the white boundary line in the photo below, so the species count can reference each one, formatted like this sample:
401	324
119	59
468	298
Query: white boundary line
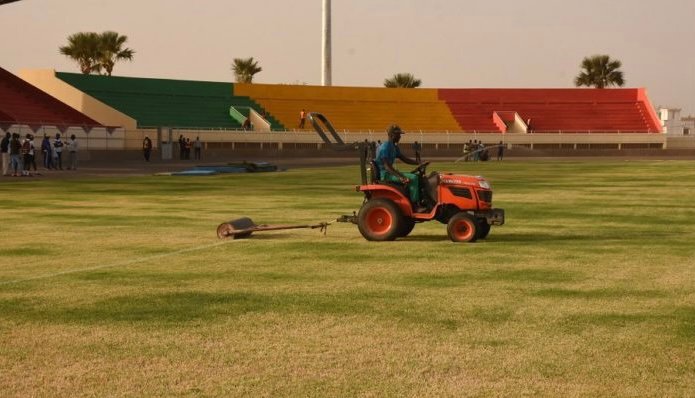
114	265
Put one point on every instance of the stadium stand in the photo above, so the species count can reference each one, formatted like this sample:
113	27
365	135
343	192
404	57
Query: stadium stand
553	110
143	102
164	102
354	108
22	103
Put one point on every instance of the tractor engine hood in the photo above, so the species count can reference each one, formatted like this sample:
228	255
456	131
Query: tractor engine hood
451	179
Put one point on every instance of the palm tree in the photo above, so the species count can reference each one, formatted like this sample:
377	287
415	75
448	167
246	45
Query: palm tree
111	50
404	80
95	52
600	71
83	48
244	69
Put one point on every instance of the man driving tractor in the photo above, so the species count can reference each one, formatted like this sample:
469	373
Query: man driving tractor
387	154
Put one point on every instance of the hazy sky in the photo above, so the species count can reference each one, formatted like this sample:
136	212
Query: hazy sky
446	43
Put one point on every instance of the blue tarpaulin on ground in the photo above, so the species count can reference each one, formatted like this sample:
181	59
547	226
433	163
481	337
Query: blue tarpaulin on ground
206	170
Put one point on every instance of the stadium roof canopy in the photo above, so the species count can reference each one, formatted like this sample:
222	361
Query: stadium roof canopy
24	104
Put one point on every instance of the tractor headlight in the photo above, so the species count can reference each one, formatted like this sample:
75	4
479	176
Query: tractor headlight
484	184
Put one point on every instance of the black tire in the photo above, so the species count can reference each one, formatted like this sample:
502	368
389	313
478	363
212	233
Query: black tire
483	228
462	228
380	220
407	227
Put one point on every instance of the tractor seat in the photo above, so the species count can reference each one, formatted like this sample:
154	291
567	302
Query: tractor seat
375	178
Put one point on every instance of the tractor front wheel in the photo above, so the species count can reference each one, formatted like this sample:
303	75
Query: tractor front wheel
380	220
462	228
483	228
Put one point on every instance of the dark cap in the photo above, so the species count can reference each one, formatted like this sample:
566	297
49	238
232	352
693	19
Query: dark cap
394	129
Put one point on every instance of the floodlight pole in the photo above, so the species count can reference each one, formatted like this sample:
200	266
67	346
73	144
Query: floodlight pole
326	41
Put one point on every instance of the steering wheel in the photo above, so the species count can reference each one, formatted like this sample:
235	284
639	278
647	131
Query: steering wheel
421	168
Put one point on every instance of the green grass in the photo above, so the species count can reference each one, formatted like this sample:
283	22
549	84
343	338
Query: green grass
119	286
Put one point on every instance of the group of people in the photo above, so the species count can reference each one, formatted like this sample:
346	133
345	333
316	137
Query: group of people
475	150
185	146
19	154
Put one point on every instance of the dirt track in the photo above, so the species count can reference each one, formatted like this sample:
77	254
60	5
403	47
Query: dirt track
141	168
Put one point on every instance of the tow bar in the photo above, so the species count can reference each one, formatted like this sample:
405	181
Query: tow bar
244	227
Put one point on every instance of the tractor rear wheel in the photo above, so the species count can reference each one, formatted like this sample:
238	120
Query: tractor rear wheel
380	220
462	228
483	228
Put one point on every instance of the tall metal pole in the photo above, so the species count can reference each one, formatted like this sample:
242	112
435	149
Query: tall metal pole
326	41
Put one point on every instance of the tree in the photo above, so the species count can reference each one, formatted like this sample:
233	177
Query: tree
83	48
600	71
96	52
244	69
403	80
111	50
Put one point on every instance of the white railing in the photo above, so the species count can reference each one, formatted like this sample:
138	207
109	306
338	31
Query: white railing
119	139
89	138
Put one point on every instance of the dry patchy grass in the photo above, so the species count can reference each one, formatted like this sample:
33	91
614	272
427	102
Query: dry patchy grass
589	289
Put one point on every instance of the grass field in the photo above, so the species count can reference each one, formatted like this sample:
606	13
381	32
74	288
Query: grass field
119	286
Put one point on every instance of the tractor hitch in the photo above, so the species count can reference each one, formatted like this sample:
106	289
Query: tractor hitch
348	218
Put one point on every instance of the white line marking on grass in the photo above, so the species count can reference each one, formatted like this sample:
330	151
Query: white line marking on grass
119	264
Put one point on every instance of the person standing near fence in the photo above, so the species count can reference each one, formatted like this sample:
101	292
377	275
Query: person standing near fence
72	148
182	147
302	118
46	151
417	148
197	146
15	155
188	149
500	151
58	147
26	155
32	153
54	157
5	149
147	148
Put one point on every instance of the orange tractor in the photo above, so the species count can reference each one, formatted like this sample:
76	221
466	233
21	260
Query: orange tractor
462	202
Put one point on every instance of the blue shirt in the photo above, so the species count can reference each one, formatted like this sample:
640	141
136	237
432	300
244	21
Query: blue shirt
387	153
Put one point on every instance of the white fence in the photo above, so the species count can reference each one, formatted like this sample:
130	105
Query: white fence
120	139
96	138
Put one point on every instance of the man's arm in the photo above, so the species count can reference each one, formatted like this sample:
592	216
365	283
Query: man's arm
407	160
389	167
